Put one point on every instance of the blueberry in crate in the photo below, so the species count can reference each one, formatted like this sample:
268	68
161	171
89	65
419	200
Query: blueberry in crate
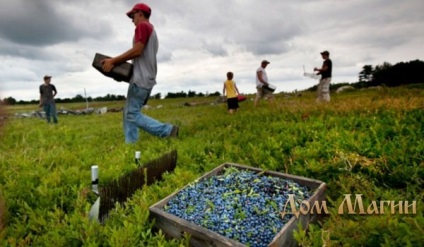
236	205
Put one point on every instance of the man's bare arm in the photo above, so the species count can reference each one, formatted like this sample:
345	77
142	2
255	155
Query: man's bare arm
134	52
259	74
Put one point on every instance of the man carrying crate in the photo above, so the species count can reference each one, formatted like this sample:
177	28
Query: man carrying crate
143	53
262	85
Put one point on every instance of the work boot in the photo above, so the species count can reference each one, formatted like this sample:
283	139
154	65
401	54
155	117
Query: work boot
174	131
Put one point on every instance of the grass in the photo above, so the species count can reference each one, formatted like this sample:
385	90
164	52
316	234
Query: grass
363	142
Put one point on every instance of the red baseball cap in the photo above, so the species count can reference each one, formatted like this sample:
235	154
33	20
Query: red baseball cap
139	6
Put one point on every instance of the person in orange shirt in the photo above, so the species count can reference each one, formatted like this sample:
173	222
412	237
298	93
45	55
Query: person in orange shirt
232	91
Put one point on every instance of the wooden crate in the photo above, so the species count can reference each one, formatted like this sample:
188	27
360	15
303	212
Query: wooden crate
120	72
175	227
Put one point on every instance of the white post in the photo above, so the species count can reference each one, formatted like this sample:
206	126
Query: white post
137	157
86	100
95	179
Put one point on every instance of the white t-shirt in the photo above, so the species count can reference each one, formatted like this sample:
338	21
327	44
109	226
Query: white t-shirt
264	77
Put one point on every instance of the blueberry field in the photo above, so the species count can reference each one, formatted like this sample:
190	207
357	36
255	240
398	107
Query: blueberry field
365	142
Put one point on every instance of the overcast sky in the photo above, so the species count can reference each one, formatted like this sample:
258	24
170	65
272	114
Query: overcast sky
201	40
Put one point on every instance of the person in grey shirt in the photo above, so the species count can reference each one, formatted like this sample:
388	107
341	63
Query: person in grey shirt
47	93
143	53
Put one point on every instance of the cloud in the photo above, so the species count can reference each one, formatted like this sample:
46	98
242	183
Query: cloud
43	23
201	40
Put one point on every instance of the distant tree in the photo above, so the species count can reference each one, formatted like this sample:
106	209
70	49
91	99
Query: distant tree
182	95
176	95
200	95
110	97
381	74
191	94
366	74
157	96
78	98
215	94
67	100
9	101
406	73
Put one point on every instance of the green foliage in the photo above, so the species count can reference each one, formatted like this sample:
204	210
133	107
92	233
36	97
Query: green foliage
401	73
363	142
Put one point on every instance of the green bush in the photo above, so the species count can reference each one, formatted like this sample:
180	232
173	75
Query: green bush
364	142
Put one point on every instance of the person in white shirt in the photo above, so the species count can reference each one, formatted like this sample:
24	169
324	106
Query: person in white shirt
262	83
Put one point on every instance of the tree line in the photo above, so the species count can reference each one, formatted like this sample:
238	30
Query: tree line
109	97
190	94
402	73
76	99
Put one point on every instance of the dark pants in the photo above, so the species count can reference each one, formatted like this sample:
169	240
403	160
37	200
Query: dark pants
232	103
